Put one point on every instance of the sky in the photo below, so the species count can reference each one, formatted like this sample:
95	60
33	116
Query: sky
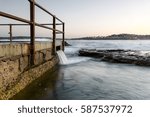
87	17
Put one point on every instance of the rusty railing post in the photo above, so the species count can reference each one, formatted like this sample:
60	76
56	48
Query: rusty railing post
54	35
10	32
32	31
63	37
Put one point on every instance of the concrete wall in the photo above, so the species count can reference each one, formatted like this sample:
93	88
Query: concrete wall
15	70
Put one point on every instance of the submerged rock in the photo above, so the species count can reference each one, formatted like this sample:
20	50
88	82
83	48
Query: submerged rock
119	56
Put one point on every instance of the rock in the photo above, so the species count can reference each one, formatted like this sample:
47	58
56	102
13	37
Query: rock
118	56
67	44
91	53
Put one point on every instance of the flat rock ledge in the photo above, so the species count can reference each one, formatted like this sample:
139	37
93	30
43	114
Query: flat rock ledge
119	56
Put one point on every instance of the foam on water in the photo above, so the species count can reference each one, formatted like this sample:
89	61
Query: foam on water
90	78
72	60
62	57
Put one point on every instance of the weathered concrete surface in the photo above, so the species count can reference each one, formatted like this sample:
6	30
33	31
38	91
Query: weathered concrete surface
42	46
15	70
119	56
8	50
14	49
9	71
11	85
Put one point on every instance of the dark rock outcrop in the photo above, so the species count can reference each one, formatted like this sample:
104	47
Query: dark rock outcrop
119	56
67	44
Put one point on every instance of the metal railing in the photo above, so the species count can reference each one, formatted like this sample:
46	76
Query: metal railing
32	25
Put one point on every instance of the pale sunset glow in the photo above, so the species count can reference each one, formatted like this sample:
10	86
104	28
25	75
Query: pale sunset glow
90	17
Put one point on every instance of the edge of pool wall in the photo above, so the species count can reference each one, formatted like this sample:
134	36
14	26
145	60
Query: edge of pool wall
15	70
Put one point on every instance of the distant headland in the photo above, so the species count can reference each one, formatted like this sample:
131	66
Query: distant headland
116	37
110	37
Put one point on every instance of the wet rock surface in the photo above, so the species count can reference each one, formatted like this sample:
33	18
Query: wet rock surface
119	56
67	44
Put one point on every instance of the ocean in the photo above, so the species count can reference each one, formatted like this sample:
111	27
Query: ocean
87	78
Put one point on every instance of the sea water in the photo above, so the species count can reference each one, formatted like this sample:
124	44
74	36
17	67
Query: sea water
91	78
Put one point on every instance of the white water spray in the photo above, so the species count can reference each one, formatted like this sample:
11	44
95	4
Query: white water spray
62	57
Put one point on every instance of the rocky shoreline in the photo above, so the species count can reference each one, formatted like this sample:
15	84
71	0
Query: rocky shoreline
119	56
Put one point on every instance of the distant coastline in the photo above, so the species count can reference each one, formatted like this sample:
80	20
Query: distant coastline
116	37
110	37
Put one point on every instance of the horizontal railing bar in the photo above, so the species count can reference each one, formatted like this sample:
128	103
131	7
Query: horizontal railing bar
25	24
23	20
59	19
14	17
40	25
39	6
21	41
28	22
59	32
52	24
36	24
23	37
14	24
